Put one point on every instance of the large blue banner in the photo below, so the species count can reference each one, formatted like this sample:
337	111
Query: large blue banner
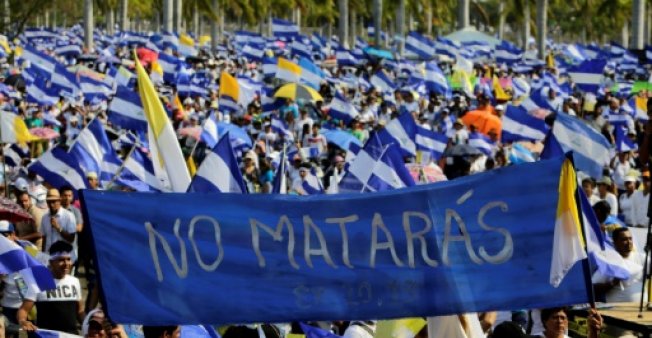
477	243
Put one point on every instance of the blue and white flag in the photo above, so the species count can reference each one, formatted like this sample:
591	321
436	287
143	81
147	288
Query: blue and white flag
270	66
342	109
245	37
447	47
519	154
345	58
280	185
14	154
482	143
507	53
94	89
240	139
591	150
436	81
38	92
376	167
94	152
518	125
312	184
623	142
219	172
59	168
169	64
279	127
310	73
138	173
520	87
420	45
37	58
126	110
209	133
402	131
14	259
431	142
588	75
253	52
382	82
65	81
300	49
284	29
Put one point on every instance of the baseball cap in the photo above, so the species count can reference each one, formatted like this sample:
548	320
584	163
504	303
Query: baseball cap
605	180
6	226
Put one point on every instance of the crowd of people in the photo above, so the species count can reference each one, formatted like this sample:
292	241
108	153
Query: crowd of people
294	133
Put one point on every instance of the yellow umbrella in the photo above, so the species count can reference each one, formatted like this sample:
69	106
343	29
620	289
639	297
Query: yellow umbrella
296	91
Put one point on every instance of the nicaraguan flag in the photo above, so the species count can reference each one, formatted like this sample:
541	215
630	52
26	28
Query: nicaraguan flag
37	58
126	110
431	142
402	131
219	172
209	131
284	29
623	142
376	167
14	259
279	127
138	173
14	154
345	58
588	75
419	45
482	143
253	52
507	53
59	168
591	150
382	82
518	125
342	109
94	152
436	81
519	154
38	92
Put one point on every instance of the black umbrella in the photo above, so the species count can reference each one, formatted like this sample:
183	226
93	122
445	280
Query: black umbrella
461	150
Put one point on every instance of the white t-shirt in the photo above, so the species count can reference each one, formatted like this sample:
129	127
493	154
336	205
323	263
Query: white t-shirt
68	289
629	290
68	224
613	203
627	206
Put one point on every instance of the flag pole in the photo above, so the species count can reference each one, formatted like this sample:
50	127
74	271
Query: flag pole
4	170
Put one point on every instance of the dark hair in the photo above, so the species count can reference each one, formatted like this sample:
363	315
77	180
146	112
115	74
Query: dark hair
618	231
602	209
157	331
546	313
66	188
60	246
588	180
21	193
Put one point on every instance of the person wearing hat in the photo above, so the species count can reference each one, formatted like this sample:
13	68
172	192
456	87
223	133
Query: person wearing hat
458	134
604	193
60	309
93	180
58	224
626	200
640	202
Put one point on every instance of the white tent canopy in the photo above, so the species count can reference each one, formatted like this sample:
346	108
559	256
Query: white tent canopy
469	34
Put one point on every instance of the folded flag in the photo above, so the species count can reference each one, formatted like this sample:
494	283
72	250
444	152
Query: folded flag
13	129
14	259
219	172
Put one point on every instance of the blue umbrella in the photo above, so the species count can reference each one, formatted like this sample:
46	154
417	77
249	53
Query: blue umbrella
379	53
239	137
340	138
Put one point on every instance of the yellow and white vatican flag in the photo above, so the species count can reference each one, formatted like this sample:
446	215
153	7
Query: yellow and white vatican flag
167	157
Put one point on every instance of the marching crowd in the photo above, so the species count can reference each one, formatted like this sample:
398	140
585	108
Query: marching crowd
303	143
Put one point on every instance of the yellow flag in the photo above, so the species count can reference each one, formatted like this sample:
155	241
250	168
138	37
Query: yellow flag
192	167
500	93
13	129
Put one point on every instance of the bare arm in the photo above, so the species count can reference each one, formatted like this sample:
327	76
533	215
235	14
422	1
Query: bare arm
21	316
